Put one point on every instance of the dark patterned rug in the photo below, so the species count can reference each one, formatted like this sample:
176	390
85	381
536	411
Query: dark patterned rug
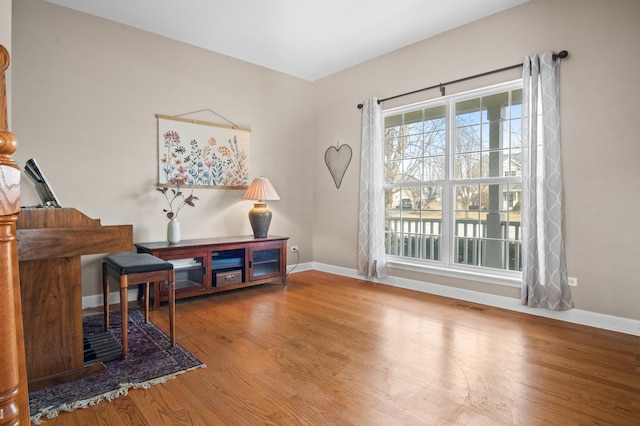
151	360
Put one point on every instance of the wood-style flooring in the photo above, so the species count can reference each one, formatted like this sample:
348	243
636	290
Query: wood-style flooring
330	350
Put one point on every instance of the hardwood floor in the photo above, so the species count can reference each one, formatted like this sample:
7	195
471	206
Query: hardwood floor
330	350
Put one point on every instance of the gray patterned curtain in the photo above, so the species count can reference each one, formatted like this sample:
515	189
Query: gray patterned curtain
372	260
544	272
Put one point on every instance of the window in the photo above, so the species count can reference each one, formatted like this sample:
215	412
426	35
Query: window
453	182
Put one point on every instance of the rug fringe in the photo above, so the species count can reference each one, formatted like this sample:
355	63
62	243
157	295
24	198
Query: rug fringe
51	412
158	380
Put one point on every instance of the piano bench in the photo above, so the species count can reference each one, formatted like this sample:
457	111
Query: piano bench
133	269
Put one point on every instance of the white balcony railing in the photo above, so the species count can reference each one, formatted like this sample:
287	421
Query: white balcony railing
421	238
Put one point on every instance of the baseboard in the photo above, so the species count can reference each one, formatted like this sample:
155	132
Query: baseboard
300	267
577	316
95	300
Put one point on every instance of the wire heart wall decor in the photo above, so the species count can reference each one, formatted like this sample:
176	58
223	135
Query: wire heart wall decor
338	159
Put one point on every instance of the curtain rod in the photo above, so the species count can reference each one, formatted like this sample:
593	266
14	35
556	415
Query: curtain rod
561	54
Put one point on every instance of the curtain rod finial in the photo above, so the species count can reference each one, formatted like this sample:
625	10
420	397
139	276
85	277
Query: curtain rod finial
562	54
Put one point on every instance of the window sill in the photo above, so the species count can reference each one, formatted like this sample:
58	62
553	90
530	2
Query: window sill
509	279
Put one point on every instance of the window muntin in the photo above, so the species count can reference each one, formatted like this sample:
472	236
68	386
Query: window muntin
453	181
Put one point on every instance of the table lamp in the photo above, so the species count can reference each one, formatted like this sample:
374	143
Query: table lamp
260	216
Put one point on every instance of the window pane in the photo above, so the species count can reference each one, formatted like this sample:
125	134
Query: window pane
392	122
495	107
468	113
467	166
392	171
435	130
494	198
414	121
414	146
431	221
468	139
514	238
467	251
495	162
468	224
411	170
515	163
512	133
467	197
435	114
434	168
389	196
407	199
393	146
431	201
435	142
486	136
516	104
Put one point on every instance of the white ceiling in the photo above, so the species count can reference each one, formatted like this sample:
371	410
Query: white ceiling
309	39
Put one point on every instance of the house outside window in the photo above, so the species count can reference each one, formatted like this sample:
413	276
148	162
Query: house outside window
453	180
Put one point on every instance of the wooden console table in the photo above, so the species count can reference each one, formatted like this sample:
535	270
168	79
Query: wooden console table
211	265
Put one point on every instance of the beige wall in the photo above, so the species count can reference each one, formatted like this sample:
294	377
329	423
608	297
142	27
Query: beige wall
86	92
601	147
5	23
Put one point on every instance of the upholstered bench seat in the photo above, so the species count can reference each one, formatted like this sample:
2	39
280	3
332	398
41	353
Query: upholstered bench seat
133	269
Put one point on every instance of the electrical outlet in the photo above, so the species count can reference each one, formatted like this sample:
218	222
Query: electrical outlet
294	248
573	282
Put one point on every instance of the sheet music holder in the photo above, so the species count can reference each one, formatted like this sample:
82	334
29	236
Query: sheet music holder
42	186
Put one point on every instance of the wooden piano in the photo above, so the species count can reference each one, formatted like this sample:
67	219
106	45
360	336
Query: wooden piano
50	243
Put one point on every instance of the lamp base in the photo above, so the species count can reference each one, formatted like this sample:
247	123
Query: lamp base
260	219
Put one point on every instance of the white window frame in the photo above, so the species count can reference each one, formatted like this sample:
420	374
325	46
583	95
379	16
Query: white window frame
446	266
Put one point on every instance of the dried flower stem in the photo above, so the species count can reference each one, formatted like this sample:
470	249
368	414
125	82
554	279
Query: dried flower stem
178	197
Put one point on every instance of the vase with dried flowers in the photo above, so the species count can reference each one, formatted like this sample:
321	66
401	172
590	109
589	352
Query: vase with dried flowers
176	200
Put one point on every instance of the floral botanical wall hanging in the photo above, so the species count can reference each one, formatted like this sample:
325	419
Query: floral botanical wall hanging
198	153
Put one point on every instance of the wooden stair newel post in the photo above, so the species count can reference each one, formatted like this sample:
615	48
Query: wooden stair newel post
14	404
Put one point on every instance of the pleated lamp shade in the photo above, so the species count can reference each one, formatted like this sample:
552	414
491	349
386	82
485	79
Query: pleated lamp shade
260	216
261	189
